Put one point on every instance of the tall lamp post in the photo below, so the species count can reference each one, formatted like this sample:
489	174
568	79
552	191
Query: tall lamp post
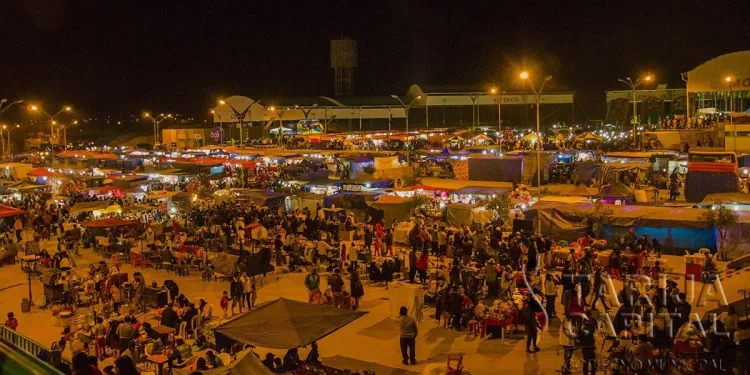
221	123
7	129
157	121
52	121
65	132
406	112
279	112
730	82
239	114
4	107
633	85
499	96
538	98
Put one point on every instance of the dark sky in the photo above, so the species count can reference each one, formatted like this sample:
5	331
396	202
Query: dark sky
121	57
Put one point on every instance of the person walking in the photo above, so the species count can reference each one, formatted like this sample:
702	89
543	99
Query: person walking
550	293
412	265
408	332
356	288
588	344
337	287
532	326
599	290
235	290
312	283
422	264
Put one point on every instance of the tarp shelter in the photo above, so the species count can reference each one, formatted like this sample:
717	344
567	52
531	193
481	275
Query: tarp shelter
26	186
386	162
17	170
161	194
586	170
39	172
7	211
699	184
358	199
676	228
479	191
610	172
246	363
253	264
225	264
726	198
303	200
505	169
393	207
616	192
459	214
108	223
582	191
88	207
588	136
358	184
284	324
268	198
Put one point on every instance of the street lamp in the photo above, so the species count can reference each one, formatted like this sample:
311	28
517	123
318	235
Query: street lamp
406	112
499	96
4	100
239	114
7	129
633	86
538	98
730	82
157	121
65	132
52	122
279	112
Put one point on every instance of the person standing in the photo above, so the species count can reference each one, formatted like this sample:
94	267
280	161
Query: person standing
357	290
412	265
235	290
337	287
408	332
12	322
422	264
588	344
18	227
312	283
246	281
550	293
532	326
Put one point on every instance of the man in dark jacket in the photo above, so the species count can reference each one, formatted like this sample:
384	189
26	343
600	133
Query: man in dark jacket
337	287
169	317
235	290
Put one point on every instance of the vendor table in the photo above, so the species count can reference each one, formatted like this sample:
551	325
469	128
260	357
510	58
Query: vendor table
502	324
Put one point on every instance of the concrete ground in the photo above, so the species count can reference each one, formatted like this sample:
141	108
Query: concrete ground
370	342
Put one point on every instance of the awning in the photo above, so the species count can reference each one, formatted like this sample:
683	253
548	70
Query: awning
108	223
39	172
88	207
284	324
6	211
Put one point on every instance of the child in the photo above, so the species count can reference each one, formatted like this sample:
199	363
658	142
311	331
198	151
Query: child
378	245
225	303
12	322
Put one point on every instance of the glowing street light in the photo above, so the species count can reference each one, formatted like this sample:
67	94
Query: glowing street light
239	114
633	85
538	97
52	122
406	112
730	83
499	95
157	121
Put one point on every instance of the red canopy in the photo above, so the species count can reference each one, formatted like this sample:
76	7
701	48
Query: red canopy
6	211
39	172
107	223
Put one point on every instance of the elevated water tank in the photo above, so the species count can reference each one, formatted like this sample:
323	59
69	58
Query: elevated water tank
343	62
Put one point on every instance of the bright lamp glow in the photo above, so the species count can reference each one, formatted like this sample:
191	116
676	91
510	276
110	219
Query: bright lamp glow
524	75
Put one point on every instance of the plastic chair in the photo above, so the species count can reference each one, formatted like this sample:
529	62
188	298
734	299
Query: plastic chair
181	331
185	363
459	366
195	323
148	350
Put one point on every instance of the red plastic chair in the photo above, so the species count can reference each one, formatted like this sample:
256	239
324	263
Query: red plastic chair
459	369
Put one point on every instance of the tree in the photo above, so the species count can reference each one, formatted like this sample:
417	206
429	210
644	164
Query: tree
602	213
499	205
721	218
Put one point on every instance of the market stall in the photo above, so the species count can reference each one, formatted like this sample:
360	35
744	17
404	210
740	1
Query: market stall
284	324
392	207
460	214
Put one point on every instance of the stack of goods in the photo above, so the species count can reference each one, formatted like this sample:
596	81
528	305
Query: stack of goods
461	170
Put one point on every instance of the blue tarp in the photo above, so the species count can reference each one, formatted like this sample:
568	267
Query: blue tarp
360	199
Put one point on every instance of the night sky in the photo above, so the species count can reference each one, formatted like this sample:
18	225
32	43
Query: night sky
120	57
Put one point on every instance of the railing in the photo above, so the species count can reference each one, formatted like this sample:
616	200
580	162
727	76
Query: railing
24	343
18	362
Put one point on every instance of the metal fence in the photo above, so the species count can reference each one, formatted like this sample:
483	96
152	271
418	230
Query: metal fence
24	343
